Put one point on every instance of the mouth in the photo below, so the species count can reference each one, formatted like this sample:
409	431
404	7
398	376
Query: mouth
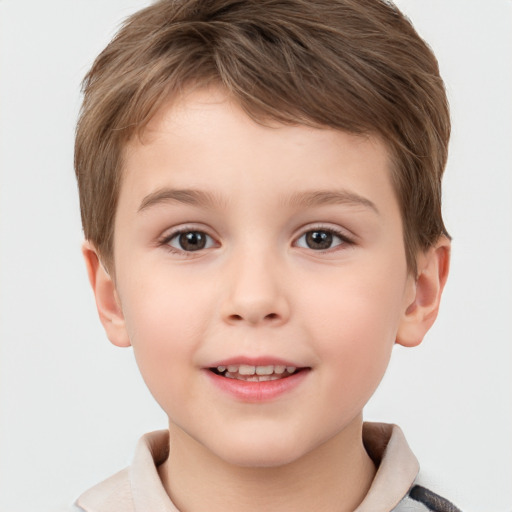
249	373
256	381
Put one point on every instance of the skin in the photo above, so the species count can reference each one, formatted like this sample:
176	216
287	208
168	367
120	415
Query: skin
259	288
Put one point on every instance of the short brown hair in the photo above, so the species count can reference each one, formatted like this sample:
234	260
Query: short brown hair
353	65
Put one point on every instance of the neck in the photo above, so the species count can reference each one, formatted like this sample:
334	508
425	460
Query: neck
335	476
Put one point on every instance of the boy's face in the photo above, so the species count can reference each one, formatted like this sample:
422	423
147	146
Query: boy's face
237	243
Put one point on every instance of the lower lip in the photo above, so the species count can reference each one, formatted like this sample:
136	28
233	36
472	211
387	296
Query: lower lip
264	391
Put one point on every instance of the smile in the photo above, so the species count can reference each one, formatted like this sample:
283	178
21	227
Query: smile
251	373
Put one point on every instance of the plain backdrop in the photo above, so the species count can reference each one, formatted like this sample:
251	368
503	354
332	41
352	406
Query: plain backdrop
72	406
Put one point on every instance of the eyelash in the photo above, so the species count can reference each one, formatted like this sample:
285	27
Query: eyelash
165	241
345	240
342	236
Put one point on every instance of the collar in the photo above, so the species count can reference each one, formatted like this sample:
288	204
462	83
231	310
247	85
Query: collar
139	489
397	467
147	489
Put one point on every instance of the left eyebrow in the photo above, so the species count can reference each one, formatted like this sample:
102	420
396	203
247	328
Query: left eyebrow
325	197
185	196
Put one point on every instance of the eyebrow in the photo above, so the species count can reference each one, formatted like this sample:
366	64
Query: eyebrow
326	197
186	196
204	199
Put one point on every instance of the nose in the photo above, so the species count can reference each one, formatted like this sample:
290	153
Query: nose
255	292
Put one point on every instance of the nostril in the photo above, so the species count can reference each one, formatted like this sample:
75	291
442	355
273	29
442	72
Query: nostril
267	318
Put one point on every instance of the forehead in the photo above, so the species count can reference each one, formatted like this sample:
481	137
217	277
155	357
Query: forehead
204	136
205	114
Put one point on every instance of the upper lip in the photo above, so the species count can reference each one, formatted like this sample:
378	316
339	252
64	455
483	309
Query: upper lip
255	361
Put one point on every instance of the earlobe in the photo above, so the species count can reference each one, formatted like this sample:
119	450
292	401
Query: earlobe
421	312
107	300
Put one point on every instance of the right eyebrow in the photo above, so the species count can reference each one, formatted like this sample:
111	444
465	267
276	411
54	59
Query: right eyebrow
185	196
309	199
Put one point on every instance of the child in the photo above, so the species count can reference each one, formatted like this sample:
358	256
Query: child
260	186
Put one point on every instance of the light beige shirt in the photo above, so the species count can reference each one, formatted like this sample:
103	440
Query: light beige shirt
138	488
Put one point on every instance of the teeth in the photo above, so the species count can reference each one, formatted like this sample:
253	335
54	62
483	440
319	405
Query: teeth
255	373
264	370
245	369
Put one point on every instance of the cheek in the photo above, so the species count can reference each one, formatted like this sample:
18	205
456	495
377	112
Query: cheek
166	324
160	306
354	325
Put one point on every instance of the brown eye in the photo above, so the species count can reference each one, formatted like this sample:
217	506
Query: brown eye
320	239
190	241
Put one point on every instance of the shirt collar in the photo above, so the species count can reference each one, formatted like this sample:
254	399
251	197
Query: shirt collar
386	445
147	490
397	467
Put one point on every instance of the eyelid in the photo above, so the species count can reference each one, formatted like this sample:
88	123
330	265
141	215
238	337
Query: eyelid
347	238
186	228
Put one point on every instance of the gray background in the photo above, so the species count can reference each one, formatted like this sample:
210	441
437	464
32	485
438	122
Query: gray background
72	405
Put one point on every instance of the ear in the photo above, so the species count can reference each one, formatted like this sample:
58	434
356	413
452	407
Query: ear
107	299
425	294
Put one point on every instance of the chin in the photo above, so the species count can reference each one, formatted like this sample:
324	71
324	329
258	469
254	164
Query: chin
263	451
260	457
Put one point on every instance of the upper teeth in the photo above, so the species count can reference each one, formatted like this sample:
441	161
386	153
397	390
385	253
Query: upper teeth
246	369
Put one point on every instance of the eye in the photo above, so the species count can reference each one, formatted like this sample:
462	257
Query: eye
190	241
321	239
